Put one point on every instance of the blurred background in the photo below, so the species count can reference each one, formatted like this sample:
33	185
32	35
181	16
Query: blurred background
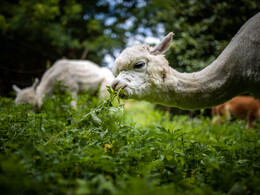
34	34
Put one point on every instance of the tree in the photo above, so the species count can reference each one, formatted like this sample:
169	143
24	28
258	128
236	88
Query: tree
33	34
202	28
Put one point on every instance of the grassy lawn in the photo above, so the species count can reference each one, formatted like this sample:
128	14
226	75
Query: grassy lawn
104	147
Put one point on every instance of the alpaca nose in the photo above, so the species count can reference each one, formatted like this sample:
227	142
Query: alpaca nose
117	84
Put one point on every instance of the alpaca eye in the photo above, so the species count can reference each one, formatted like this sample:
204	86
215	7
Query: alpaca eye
139	65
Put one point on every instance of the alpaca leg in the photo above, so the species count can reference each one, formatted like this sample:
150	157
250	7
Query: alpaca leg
103	89
250	121
73	103
228	115
217	119
249	124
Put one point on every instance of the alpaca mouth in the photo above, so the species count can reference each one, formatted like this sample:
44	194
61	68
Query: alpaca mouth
121	88
124	93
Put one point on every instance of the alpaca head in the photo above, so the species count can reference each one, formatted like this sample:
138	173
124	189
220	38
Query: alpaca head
140	69
26	95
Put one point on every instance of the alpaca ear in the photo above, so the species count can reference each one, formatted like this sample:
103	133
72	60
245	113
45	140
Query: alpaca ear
163	45
16	89
35	83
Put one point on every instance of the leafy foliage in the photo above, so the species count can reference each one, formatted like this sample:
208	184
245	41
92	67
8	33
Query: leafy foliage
40	32
102	148
202	28
65	27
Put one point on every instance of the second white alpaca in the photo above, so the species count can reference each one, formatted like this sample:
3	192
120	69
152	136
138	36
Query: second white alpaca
77	75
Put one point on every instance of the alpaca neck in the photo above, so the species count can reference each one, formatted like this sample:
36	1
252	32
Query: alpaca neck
211	86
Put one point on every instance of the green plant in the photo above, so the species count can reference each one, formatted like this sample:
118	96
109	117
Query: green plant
104	148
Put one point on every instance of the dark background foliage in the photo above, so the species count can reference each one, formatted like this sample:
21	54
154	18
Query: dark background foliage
33	34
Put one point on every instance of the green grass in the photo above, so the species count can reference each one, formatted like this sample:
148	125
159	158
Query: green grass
104	148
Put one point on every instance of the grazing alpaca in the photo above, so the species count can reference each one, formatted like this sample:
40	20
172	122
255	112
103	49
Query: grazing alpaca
145	74
26	95
77	75
244	107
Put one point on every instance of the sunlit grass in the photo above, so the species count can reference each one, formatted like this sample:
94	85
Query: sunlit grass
122	147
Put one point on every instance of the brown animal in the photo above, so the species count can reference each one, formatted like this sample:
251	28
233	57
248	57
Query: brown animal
243	107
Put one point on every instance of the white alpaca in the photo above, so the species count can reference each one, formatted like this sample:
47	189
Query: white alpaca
145	74
77	75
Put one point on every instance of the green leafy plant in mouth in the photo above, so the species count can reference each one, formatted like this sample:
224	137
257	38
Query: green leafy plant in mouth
102	148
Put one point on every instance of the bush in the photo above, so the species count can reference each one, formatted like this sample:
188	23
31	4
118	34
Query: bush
102	148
